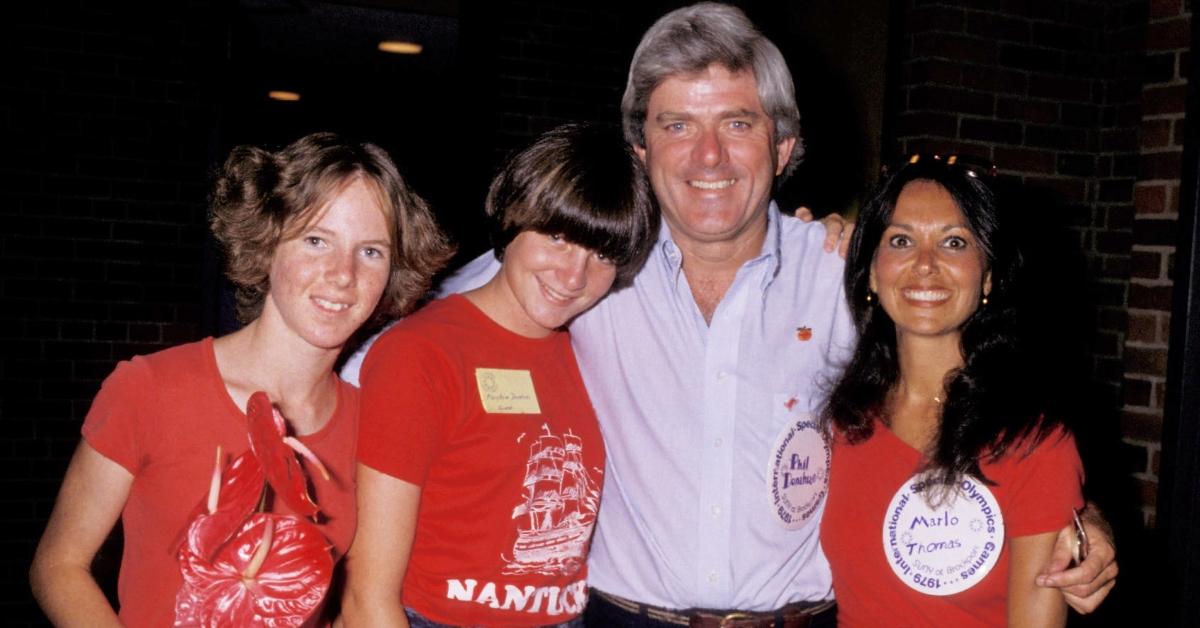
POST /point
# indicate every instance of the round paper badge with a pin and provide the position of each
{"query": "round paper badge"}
(798, 471)
(943, 550)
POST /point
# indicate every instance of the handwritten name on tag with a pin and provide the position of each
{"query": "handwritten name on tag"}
(506, 391)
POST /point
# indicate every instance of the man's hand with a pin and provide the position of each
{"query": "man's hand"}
(837, 230)
(1084, 587)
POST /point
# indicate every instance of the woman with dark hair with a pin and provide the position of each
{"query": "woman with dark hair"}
(320, 237)
(480, 460)
(948, 483)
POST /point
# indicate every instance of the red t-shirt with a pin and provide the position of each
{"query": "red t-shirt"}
(1035, 494)
(509, 492)
(161, 417)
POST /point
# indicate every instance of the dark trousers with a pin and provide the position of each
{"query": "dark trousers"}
(601, 613)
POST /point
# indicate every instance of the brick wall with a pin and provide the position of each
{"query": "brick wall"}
(550, 63)
(106, 119)
(1052, 93)
(1044, 90)
(536, 64)
(1081, 104)
(1156, 202)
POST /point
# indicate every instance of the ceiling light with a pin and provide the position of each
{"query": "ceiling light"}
(400, 47)
(283, 95)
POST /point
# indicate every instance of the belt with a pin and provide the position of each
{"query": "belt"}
(794, 615)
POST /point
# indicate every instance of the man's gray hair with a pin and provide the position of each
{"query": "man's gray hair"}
(688, 40)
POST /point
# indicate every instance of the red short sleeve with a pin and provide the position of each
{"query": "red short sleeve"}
(114, 426)
(408, 391)
(1045, 485)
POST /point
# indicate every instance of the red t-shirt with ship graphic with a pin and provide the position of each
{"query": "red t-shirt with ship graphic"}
(498, 432)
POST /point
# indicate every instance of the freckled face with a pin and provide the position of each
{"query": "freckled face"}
(711, 155)
(328, 278)
(548, 281)
(929, 272)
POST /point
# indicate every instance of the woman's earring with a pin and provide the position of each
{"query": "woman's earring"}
(869, 297)
(984, 301)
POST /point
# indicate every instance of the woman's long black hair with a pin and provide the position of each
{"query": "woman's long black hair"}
(994, 400)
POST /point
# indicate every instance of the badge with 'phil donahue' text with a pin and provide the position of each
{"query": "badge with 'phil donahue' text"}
(947, 549)
(507, 391)
(798, 469)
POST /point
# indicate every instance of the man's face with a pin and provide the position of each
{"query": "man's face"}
(711, 156)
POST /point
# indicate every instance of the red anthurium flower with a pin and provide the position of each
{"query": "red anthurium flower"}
(260, 569)
(272, 446)
(255, 569)
(229, 503)
(230, 500)
(274, 572)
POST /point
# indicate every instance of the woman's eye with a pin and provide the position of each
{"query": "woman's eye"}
(899, 241)
(556, 237)
(955, 242)
(314, 241)
(373, 252)
(603, 259)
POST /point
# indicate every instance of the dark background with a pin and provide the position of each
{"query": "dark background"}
(114, 115)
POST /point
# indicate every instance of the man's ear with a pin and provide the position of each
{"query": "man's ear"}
(783, 154)
(640, 151)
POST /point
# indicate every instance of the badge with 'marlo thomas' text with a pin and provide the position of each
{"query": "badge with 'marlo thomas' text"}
(947, 549)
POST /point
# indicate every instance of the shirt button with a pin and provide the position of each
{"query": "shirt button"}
(716, 510)
(718, 442)
(722, 375)
(712, 576)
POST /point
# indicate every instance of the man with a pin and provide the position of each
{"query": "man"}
(708, 371)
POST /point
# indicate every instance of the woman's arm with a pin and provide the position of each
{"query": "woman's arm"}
(1028, 604)
(378, 557)
(90, 502)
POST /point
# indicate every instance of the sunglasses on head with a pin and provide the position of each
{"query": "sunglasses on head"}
(971, 165)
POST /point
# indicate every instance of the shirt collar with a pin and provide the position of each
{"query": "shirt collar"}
(672, 257)
(772, 245)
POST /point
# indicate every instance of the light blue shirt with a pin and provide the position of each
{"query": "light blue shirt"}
(694, 414)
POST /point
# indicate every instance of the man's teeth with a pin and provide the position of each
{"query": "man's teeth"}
(927, 295)
(330, 305)
(712, 185)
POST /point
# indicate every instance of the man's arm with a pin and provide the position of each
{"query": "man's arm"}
(1084, 587)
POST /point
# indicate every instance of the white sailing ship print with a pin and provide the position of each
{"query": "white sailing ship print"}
(557, 508)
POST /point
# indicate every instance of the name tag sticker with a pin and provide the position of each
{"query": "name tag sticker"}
(507, 391)
(947, 549)
(798, 469)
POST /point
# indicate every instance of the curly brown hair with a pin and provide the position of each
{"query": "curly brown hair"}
(262, 198)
